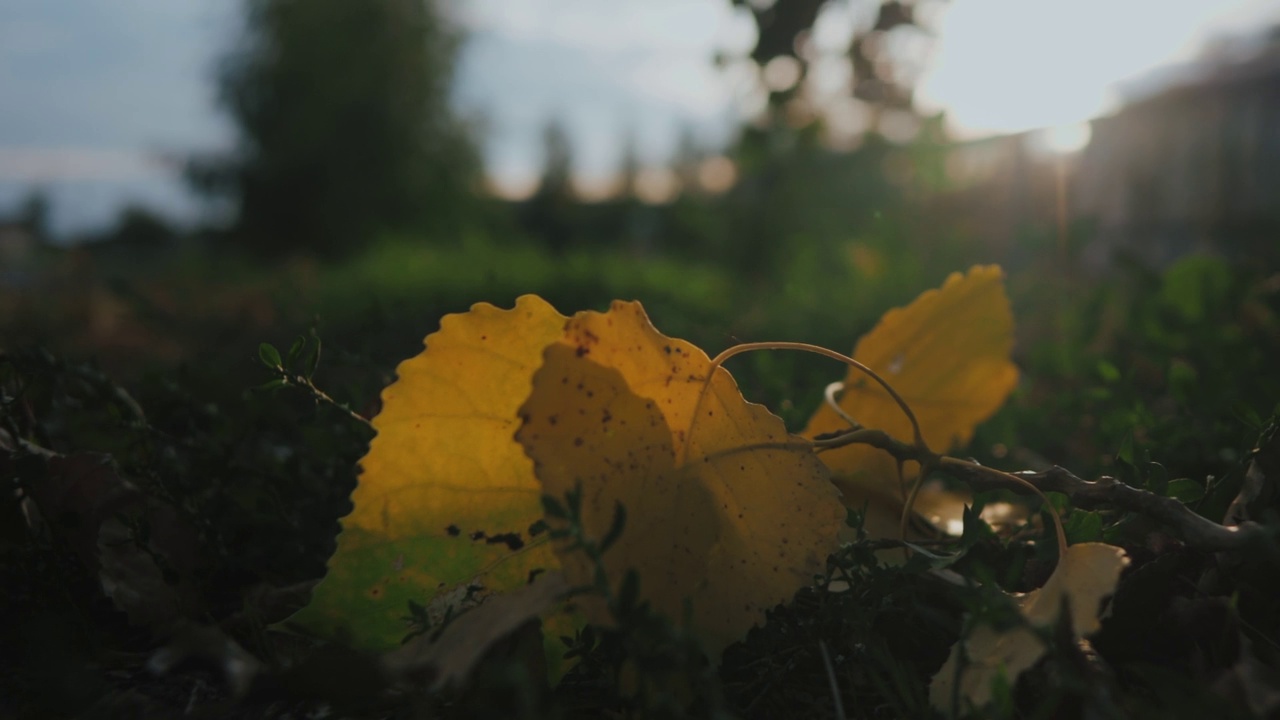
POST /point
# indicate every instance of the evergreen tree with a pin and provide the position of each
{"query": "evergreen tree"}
(346, 131)
(628, 168)
(550, 213)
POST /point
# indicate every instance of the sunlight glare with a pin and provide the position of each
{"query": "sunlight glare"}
(1007, 66)
(1065, 139)
(717, 174)
(782, 73)
(657, 185)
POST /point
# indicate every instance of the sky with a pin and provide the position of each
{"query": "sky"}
(101, 98)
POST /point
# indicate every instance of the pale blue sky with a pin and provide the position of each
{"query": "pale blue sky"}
(95, 94)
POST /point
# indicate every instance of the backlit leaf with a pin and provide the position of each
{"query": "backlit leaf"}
(723, 507)
(1086, 575)
(947, 354)
(446, 497)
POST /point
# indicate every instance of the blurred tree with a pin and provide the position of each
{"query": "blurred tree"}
(346, 130)
(549, 213)
(628, 167)
(33, 215)
(883, 75)
(817, 171)
(688, 160)
(142, 230)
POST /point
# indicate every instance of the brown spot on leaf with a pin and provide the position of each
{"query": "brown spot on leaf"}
(511, 540)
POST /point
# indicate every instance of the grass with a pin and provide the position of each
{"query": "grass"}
(1163, 379)
(404, 271)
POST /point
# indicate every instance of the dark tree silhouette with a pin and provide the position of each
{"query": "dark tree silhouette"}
(548, 214)
(345, 127)
(33, 214)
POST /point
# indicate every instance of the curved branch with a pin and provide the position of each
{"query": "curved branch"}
(718, 360)
(1195, 531)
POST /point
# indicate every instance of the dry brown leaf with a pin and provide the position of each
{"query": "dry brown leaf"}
(144, 552)
(1086, 574)
(450, 658)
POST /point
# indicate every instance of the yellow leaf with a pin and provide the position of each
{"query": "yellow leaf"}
(446, 496)
(725, 509)
(1086, 574)
(947, 355)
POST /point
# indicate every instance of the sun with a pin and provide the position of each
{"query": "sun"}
(1007, 66)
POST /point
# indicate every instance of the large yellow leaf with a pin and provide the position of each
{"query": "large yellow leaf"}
(1085, 576)
(724, 508)
(446, 496)
(947, 355)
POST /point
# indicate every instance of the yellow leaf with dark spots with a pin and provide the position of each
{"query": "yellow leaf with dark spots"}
(947, 355)
(446, 498)
(725, 510)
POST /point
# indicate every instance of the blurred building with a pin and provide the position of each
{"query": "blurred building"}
(1194, 167)
(1000, 189)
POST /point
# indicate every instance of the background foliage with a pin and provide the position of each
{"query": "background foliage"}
(128, 370)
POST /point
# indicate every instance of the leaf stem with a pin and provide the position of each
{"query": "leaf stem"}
(306, 384)
(718, 360)
(829, 397)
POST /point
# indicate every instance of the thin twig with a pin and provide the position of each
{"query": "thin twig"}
(305, 383)
(1197, 532)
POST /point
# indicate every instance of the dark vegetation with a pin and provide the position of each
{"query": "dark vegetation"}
(162, 511)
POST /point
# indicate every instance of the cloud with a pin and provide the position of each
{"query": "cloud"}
(614, 26)
(521, 84)
(72, 164)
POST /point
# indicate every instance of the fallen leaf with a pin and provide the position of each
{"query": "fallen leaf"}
(450, 658)
(1261, 486)
(724, 508)
(211, 648)
(446, 502)
(143, 551)
(1250, 682)
(947, 355)
(1086, 574)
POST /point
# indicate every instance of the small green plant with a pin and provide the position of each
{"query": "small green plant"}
(298, 368)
